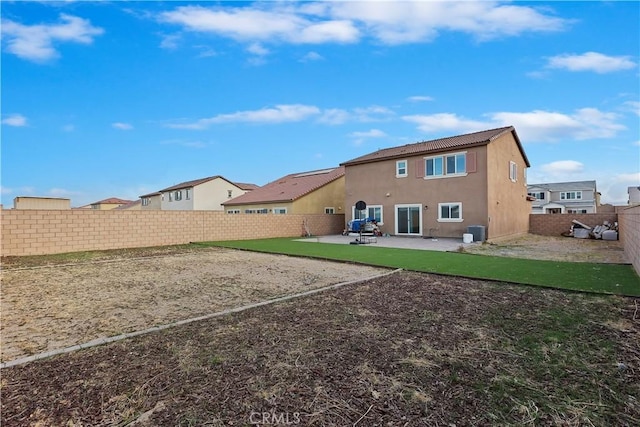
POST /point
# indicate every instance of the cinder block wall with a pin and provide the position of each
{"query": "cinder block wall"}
(40, 232)
(630, 234)
(556, 224)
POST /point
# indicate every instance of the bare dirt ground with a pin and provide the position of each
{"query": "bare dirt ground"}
(61, 303)
(406, 350)
(552, 248)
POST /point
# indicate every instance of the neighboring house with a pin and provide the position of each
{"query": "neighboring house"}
(107, 204)
(151, 201)
(135, 205)
(441, 187)
(46, 203)
(314, 192)
(200, 194)
(564, 197)
(634, 195)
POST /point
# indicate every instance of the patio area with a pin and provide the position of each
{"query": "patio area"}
(427, 244)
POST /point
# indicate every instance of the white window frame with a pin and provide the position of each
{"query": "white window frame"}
(279, 211)
(229, 194)
(146, 201)
(513, 171)
(366, 215)
(233, 211)
(329, 210)
(177, 196)
(395, 210)
(537, 195)
(400, 174)
(187, 194)
(170, 196)
(566, 195)
(450, 205)
(443, 165)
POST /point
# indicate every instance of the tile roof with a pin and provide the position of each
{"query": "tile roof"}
(289, 188)
(112, 201)
(129, 205)
(193, 183)
(439, 145)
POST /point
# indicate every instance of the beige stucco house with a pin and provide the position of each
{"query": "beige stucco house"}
(314, 192)
(106, 204)
(439, 188)
(53, 203)
(200, 194)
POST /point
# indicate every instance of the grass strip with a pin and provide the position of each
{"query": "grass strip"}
(585, 277)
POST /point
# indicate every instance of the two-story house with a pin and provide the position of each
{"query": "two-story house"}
(199, 194)
(312, 192)
(439, 188)
(564, 197)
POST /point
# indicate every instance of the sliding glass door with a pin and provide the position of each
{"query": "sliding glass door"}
(409, 219)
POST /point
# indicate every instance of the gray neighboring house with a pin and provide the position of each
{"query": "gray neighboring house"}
(564, 197)
(634, 195)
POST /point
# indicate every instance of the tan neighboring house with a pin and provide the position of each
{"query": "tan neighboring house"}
(46, 203)
(135, 205)
(441, 187)
(314, 192)
(199, 194)
(106, 204)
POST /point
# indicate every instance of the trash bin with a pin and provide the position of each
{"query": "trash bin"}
(478, 232)
(467, 238)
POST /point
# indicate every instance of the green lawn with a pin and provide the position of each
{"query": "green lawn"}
(586, 277)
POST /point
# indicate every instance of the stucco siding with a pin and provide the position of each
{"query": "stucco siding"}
(377, 184)
(507, 205)
(330, 195)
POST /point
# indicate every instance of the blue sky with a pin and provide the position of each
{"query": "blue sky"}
(119, 99)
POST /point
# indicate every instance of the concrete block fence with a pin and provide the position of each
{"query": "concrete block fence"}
(40, 232)
(556, 224)
(629, 220)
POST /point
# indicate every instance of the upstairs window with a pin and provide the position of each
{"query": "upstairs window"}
(187, 193)
(513, 171)
(448, 165)
(329, 210)
(571, 195)
(177, 195)
(401, 168)
(537, 195)
(146, 201)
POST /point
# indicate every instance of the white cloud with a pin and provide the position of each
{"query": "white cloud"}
(562, 167)
(547, 126)
(631, 106)
(277, 114)
(257, 49)
(170, 41)
(36, 42)
(373, 133)
(311, 56)
(419, 98)
(533, 126)
(121, 126)
(62, 192)
(186, 143)
(591, 61)
(445, 122)
(5, 190)
(334, 116)
(260, 22)
(16, 120)
(349, 22)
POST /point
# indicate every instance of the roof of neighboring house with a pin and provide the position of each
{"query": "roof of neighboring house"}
(112, 201)
(129, 205)
(155, 193)
(439, 145)
(245, 186)
(193, 183)
(565, 186)
(289, 188)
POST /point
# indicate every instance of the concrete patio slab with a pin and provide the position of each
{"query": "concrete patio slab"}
(427, 244)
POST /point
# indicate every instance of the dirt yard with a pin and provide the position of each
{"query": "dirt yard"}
(59, 305)
(553, 248)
